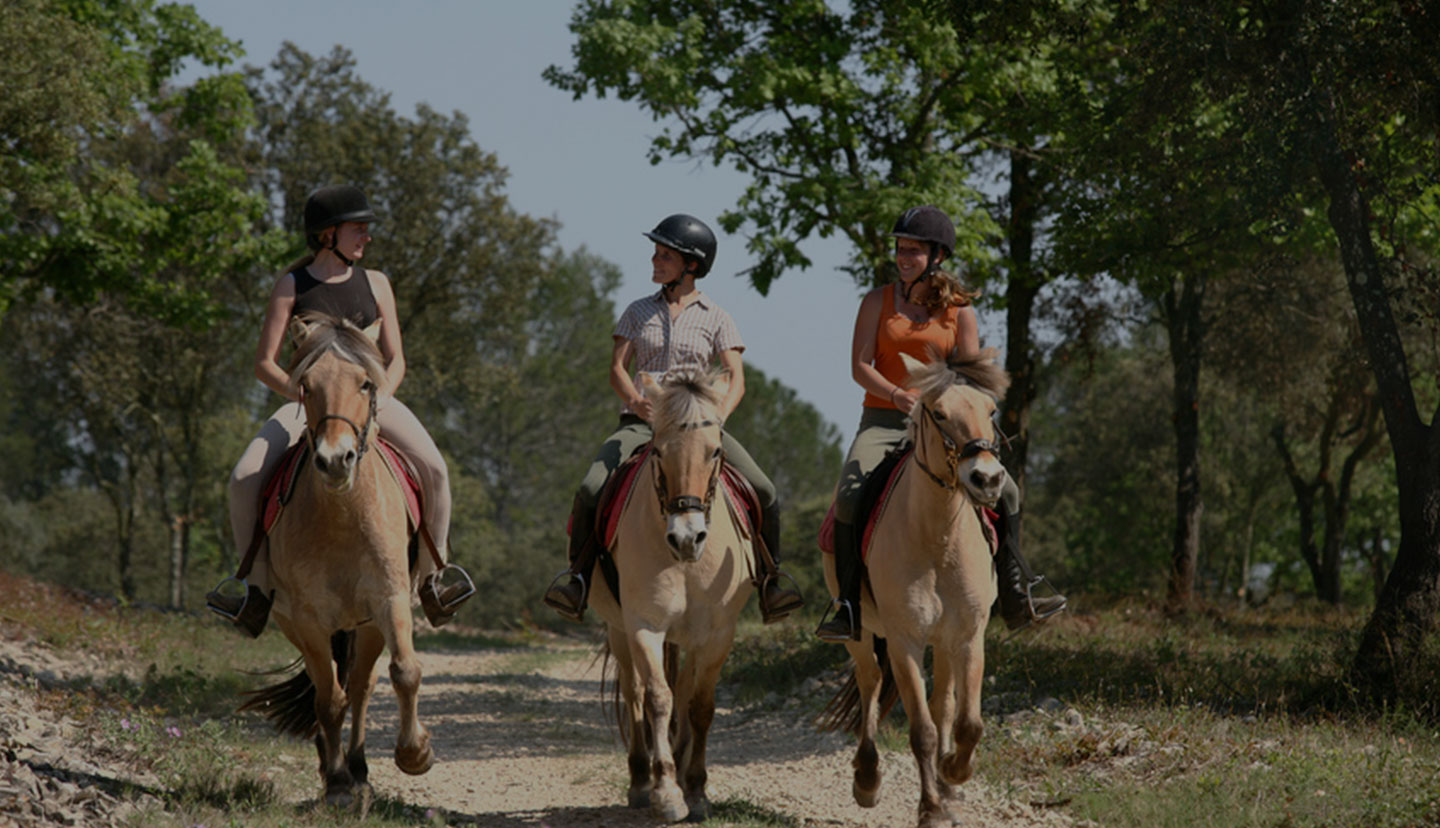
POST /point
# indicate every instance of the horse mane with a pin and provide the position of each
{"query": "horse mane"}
(687, 395)
(979, 370)
(343, 337)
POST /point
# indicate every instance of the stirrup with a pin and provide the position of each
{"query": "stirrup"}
(769, 615)
(253, 611)
(1030, 599)
(440, 602)
(839, 605)
(574, 613)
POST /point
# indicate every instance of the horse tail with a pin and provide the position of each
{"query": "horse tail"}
(843, 712)
(290, 705)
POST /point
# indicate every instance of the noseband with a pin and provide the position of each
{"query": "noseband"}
(687, 503)
(955, 454)
(361, 434)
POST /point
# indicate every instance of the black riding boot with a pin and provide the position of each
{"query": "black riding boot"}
(569, 591)
(776, 599)
(844, 624)
(1018, 606)
(250, 611)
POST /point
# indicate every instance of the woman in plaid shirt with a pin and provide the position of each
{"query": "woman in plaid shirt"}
(677, 327)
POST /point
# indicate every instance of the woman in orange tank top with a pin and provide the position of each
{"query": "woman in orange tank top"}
(925, 312)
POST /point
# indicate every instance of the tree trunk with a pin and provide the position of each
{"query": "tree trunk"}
(1020, 293)
(1304, 505)
(1409, 605)
(1183, 305)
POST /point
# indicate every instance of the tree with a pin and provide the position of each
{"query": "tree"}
(1335, 99)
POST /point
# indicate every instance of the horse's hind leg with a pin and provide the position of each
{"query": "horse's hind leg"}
(958, 765)
(866, 787)
(368, 645)
(412, 747)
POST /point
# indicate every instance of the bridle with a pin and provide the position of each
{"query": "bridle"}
(955, 454)
(361, 434)
(687, 503)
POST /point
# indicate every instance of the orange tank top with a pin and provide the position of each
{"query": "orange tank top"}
(898, 334)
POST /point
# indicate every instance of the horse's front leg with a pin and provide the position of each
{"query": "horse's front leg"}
(647, 647)
(958, 765)
(866, 787)
(632, 697)
(905, 661)
(412, 747)
(942, 712)
(329, 716)
(369, 643)
(699, 709)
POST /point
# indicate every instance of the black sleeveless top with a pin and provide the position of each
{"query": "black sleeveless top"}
(351, 299)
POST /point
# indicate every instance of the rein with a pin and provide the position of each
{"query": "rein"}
(687, 503)
(955, 454)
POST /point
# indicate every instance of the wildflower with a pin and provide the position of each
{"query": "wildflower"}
(175, 734)
(124, 724)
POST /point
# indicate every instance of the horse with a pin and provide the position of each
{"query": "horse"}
(684, 563)
(340, 565)
(931, 583)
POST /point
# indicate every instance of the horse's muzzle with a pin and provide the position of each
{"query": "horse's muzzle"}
(336, 467)
(685, 534)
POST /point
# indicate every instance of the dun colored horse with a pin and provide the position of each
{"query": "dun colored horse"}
(340, 565)
(931, 584)
(684, 566)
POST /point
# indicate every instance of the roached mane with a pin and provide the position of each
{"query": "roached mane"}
(980, 371)
(688, 395)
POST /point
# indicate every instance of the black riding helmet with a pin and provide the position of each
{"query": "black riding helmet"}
(927, 224)
(329, 206)
(690, 237)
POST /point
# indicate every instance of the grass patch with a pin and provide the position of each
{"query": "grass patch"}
(744, 814)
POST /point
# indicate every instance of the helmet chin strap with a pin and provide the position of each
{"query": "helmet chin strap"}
(341, 256)
(930, 264)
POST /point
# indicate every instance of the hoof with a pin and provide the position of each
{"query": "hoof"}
(639, 798)
(866, 788)
(955, 770)
(940, 817)
(667, 804)
(699, 808)
(416, 760)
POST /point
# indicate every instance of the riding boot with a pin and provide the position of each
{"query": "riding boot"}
(250, 611)
(844, 624)
(569, 592)
(440, 600)
(1018, 605)
(776, 599)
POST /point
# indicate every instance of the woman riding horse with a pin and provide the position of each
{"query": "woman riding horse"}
(926, 309)
(676, 328)
(329, 280)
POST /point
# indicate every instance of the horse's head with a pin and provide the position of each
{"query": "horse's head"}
(337, 371)
(954, 420)
(688, 455)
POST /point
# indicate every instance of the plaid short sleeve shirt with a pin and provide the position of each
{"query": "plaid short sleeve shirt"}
(695, 339)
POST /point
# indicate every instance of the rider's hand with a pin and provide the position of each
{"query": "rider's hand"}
(905, 400)
(643, 408)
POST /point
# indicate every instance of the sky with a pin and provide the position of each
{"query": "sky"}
(581, 162)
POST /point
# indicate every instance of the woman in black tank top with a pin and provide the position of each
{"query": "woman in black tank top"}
(328, 280)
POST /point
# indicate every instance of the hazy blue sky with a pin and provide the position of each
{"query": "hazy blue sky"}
(580, 162)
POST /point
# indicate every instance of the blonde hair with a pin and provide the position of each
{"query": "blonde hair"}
(944, 290)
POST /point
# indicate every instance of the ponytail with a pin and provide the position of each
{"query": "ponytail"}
(944, 289)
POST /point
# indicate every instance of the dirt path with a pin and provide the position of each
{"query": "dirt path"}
(521, 739)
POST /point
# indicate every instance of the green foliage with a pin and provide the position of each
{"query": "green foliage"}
(842, 119)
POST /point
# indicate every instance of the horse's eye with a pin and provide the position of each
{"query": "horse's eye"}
(939, 415)
(367, 387)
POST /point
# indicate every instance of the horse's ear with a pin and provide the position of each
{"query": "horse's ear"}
(912, 365)
(299, 330)
(373, 332)
(720, 384)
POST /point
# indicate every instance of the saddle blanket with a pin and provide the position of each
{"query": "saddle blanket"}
(873, 511)
(281, 485)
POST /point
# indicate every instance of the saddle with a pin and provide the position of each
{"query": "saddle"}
(875, 496)
(621, 485)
